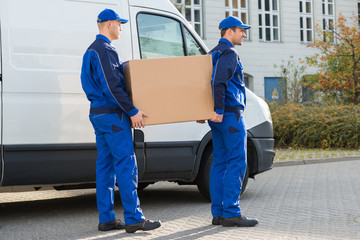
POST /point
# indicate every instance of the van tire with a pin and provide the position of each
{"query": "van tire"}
(203, 179)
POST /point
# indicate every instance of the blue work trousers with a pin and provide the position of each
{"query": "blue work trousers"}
(229, 165)
(116, 162)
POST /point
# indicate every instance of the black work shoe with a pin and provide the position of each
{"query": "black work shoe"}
(239, 221)
(217, 220)
(145, 225)
(116, 224)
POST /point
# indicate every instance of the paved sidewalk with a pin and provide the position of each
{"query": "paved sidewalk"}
(288, 157)
(310, 202)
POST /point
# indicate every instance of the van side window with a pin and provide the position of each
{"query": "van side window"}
(193, 48)
(159, 37)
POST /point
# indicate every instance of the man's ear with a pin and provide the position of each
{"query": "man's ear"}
(108, 24)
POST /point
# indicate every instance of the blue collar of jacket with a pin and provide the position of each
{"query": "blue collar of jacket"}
(100, 36)
(224, 40)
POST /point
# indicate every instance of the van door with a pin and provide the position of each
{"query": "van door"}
(169, 148)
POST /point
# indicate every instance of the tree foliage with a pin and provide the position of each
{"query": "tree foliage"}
(338, 61)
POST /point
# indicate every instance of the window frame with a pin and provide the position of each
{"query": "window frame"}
(182, 28)
(181, 6)
(229, 11)
(262, 12)
(304, 16)
(325, 13)
(327, 18)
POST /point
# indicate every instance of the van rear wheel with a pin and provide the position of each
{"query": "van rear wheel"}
(203, 179)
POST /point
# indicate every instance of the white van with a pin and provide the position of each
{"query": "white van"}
(46, 137)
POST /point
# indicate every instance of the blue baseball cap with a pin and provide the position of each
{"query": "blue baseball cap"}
(108, 15)
(231, 21)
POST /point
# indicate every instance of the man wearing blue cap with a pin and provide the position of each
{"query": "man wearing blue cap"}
(228, 127)
(110, 114)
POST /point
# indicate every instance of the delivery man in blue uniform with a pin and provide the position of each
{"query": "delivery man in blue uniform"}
(110, 114)
(228, 127)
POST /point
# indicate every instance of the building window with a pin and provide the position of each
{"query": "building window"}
(237, 8)
(306, 21)
(269, 20)
(328, 12)
(192, 11)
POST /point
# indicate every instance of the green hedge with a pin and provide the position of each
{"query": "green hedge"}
(316, 125)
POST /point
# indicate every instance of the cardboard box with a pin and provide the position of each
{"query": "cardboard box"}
(171, 90)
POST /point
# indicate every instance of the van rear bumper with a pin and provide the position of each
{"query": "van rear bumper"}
(265, 153)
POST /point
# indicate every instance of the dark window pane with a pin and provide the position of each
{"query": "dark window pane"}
(246, 82)
(235, 14)
(323, 8)
(267, 19)
(275, 6)
(309, 36)
(226, 3)
(197, 2)
(300, 6)
(268, 35)
(188, 14)
(259, 4)
(235, 4)
(301, 22)
(187, 2)
(243, 3)
(359, 12)
(276, 34)
(301, 35)
(275, 21)
(330, 9)
(308, 23)
(198, 28)
(227, 14)
(243, 18)
(267, 5)
(197, 15)
(308, 7)
(260, 20)
(260, 34)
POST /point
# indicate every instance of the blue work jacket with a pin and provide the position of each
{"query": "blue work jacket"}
(228, 85)
(102, 77)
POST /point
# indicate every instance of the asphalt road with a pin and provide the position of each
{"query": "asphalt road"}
(316, 201)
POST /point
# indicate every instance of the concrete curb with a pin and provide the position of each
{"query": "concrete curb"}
(314, 161)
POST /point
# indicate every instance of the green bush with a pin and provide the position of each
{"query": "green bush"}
(316, 125)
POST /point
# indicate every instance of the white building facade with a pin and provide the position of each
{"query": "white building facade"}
(280, 29)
